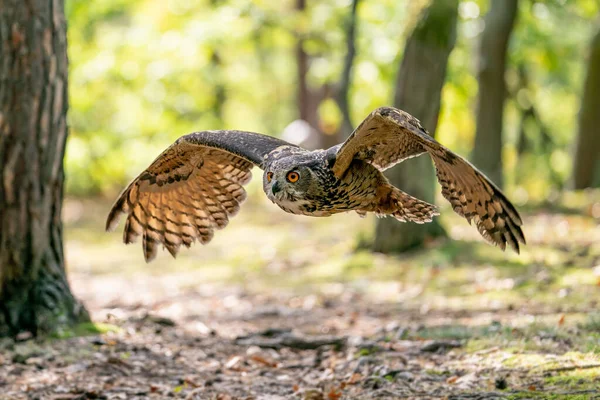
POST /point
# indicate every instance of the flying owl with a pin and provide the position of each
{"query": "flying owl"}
(197, 184)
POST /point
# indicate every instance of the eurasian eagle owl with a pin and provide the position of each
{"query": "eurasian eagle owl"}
(196, 185)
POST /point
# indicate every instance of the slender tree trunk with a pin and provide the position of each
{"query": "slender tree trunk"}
(34, 292)
(586, 159)
(346, 81)
(306, 104)
(487, 152)
(309, 98)
(418, 90)
(220, 91)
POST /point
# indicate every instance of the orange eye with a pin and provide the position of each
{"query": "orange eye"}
(269, 176)
(293, 177)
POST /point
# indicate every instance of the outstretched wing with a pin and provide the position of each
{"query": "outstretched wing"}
(388, 136)
(190, 190)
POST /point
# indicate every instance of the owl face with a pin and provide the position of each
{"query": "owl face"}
(287, 184)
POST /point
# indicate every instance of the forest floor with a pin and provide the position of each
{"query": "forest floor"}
(286, 307)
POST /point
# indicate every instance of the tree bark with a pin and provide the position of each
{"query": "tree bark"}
(34, 292)
(346, 80)
(487, 152)
(307, 106)
(418, 90)
(309, 98)
(586, 158)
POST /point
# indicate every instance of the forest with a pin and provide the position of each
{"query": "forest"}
(282, 306)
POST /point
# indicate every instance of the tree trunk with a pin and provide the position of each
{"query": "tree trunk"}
(487, 152)
(586, 160)
(309, 99)
(418, 89)
(346, 80)
(307, 106)
(34, 292)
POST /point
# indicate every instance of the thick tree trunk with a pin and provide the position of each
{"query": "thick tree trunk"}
(34, 292)
(487, 152)
(418, 90)
(586, 159)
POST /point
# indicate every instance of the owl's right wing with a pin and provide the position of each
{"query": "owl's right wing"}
(191, 189)
(388, 136)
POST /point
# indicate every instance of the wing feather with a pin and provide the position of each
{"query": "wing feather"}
(190, 190)
(388, 136)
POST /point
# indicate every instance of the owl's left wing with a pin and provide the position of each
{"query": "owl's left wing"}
(191, 189)
(388, 136)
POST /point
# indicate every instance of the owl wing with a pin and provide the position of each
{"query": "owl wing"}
(191, 189)
(388, 136)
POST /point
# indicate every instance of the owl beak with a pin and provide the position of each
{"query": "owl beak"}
(275, 187)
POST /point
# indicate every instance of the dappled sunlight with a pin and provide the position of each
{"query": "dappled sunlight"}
(287, 306)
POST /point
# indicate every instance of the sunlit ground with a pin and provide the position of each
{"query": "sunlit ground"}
(528, 319)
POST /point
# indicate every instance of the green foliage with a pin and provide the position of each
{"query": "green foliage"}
(144, 72)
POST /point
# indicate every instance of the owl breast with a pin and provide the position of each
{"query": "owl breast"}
(303, 207)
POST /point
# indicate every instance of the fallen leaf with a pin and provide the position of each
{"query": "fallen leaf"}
(313, 394)
(233, 361)
(191, 382)
(264, 361)
(355, 378)
(177, 389)
(334, 394)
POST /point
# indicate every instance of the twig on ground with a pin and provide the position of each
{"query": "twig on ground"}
(288, 339)
(440, 345)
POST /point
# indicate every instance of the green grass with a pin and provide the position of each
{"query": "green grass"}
(86, 329)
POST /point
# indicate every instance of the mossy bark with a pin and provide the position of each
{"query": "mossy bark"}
(418, 91)
(34, 291)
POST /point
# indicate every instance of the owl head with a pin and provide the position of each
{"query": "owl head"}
(290, 180)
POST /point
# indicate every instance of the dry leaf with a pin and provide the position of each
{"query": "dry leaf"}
(355, 378)
(191, 382)
(334, 394)
(263, 361)
(233, 361)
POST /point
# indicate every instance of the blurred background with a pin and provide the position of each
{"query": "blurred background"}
(144, 72)
(512, 85)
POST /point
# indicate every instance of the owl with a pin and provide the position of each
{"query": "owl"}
(197, 184)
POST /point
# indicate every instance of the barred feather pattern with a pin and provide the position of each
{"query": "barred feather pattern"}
(388, 136)
(381, 140)
(185, 195)
(409, 208)
(473, 196)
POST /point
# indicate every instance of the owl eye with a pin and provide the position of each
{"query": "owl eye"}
(293, 176)
(269, 176)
